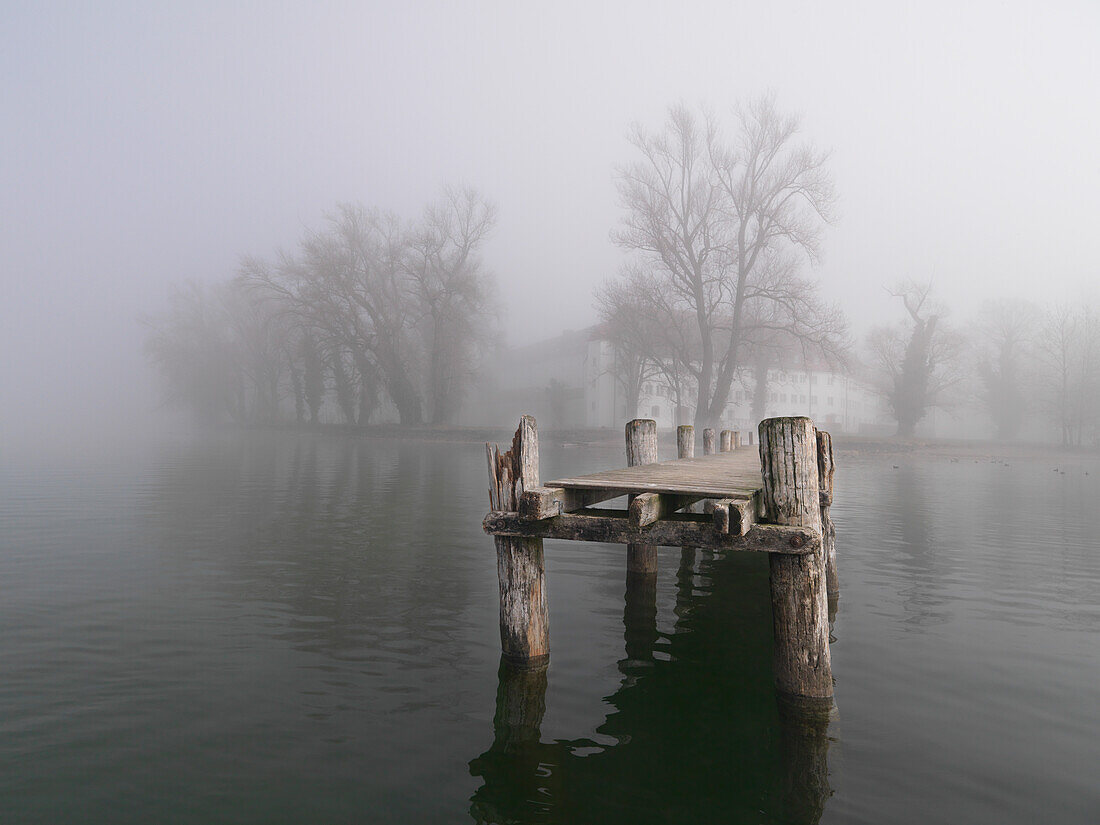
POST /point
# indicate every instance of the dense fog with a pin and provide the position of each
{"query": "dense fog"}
(448, 214)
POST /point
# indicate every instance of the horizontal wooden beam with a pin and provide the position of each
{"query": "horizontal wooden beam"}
(734, 516)
(677, 530)
(646, 508)
(547, 502)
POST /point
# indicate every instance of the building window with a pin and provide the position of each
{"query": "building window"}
(655, 412)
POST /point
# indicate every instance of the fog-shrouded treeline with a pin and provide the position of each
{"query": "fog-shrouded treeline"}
(377, 318)
(368, 310)
(1031, 369)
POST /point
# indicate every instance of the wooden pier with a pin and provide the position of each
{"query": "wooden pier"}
(774, 500)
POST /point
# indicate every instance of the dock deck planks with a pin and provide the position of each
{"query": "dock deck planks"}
(734, 475)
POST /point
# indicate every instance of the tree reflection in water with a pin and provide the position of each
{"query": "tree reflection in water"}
(700, 733)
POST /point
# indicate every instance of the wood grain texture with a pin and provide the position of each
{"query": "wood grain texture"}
(685, 441)
(826, 468)
(708, 442)
(679, 529)
(725, 475)
(524, 614)
(788, 461)
(641, 451)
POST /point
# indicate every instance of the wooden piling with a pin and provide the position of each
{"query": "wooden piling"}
(791, 494)
(825, 469)
(708, 441)
(524, 616)
(641, 448)
(685, 448)
(685, 441)
(727, 440)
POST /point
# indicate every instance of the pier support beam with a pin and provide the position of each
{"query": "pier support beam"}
(788, 464)
(641, 448)
(524, 616)
(825, 470)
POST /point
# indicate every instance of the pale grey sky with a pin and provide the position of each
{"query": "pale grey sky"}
(147, 143)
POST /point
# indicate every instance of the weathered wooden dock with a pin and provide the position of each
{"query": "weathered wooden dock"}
(773, 500)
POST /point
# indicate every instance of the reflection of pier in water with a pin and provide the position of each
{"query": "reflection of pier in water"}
(699, 732)
(702, 734)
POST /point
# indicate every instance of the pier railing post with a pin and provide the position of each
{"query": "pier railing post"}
(641, 448)
(524, 616)
(825, 469)
(788, 464)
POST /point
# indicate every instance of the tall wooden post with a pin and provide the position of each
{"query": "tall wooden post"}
(708, 441)
(641, 448)
(685, 441)
(524, 616)
(685, 448)
(727, 440)
(735, 439)
(788, 464)
(825, 469)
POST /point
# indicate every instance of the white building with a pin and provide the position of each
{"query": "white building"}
(569, 382)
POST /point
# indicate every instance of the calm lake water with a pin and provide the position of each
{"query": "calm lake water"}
(267, 627)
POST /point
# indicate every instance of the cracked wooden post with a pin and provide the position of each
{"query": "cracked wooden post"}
(641, 448)
(708, 441)
(788, 465)
(524, 617)
(727, 440)
(825, 469)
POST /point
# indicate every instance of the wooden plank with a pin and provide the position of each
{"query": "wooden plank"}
(679, 529)
(726, 475)
(734, 516)
(647, 508)
(546, 502)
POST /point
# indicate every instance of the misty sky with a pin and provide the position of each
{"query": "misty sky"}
(144, 144)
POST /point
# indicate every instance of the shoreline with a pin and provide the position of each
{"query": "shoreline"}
(851, 445)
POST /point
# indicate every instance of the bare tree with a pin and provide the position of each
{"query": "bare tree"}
(916, 361)
(1068, 375)
(722, 226)
(1006, 331)
(443, 262)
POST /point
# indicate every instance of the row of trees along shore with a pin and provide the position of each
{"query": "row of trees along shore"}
(369, 307)
(1028, 367)
(720, 218)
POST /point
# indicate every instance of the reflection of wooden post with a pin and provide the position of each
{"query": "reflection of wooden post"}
(708, 441)
(825, 469)
(524, 617)
(788, 464)
(641, 448)
(727, 440)
(804, 749)
(521, 704)
(685, 448)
